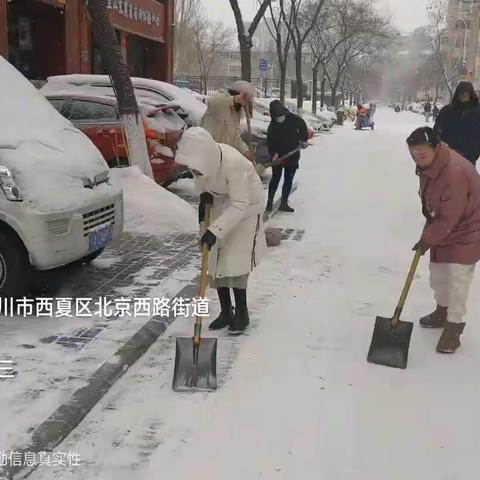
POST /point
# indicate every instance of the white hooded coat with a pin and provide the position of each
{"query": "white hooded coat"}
(238, 202)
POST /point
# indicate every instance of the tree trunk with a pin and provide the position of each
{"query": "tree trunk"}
(120, 77)
(245, 56)
(333, 102)
(283, 77)
(322, 92)
(314, 90)
(351, 98)
(298, 69)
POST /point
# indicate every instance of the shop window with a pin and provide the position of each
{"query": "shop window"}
(83, 110)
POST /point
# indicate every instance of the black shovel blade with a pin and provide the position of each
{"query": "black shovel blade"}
(195, 367)
(389, 346)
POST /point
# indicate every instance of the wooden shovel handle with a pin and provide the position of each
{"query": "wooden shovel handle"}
(406, 288)
(204, 265)
(203, 277)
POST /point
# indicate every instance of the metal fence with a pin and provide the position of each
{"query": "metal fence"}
(207, 86)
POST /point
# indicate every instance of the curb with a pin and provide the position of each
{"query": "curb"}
(68, 416)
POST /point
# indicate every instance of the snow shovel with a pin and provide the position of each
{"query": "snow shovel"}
(260, 167)
(196, 358)
(391, 336)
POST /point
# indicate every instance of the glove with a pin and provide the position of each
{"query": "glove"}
(206, 197)
(422, 247)
(209, 239)
(276, 160)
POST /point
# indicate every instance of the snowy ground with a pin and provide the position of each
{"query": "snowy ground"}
(297, 399)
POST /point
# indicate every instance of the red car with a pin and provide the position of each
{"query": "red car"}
(98, 118)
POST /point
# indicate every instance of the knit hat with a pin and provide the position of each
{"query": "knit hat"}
(277, 109)
(241, 86)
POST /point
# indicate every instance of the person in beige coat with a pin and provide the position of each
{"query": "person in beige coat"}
(224, 114)
(236, 237)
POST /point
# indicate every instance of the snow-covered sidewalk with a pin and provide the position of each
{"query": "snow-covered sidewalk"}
(297, 399)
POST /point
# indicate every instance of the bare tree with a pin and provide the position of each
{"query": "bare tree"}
(283, 40)
(117, 68)
(437, 31)
(245, 36)
(210, 40)
(365, 33)
(187, 13)
(304, 15)
(323, 43)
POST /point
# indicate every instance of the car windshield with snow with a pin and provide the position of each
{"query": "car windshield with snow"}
(192, 109)
(57, 205)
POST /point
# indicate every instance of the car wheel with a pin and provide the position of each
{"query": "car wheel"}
(15, 270)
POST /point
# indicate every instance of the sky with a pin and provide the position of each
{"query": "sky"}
(406, 14)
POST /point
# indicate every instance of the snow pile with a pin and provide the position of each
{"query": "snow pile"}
(150, 208)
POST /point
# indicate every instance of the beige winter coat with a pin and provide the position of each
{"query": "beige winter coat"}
(237, 215)
(222, 121)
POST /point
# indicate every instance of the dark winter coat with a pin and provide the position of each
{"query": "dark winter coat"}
(450, 193)
(460, 129)
(427, 108)
(284, 137)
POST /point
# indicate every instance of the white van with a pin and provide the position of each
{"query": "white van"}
(57, 205)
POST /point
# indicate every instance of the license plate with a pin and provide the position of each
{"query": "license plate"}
(100, 238)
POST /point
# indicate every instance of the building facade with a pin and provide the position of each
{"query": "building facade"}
(463, 25)
(52, 37)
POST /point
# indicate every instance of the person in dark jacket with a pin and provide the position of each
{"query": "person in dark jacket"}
(458, 124)
(435, 112)
(286, 133)
(427, 111)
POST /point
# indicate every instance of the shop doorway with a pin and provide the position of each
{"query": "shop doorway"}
(36, 38)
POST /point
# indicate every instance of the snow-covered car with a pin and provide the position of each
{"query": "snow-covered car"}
(97, 116)
(57, 205)
(156, 90)
(327, 117)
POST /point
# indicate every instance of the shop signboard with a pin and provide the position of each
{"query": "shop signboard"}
(145, 18)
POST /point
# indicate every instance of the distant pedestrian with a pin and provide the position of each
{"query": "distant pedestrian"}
(435, 111)
(236, 237)
(458, 124)
(224, 113)
(450, 194)
(427, 110)
(286, 133)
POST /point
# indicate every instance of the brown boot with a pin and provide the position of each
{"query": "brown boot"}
(436, 319)
(450, 339)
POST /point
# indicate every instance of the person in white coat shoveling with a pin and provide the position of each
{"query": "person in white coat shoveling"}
(236, 237)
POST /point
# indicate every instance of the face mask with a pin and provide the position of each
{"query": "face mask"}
(280, 119)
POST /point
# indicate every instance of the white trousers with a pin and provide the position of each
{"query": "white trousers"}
(451, 283)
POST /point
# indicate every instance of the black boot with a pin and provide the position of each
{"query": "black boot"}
(225, 319)
(285, 207)
(269, 206)
(240, 322)
(226, 316)
(241, 319)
